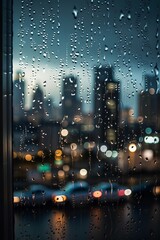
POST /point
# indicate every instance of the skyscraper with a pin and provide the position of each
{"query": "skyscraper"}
(150, 83)
(149, 103)
(106, 107)
(38, 104)
(70, 102)
(18, 98)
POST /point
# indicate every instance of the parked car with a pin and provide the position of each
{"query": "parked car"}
(73, 193)
(107, 191)
(33, 195)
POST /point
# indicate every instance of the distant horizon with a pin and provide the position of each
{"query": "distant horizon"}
(86, 97)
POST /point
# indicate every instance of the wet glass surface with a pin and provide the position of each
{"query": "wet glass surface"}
(86, 120)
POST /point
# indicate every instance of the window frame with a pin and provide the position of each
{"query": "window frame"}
(6, 170)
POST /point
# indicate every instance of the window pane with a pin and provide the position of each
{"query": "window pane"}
(86, 121)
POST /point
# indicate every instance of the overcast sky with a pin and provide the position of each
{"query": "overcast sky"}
(53, 38)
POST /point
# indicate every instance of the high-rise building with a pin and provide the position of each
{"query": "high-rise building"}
(18, 98)
(52, 112)
(149, 103)
(149, 109)
(150, 83)
(106, 107)
(38, 104)
(71, 105)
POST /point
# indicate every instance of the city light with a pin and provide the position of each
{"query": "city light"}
(60, 198)
(58, 152)
(148, 130)
(89, 145)
(150, 139)
(83, 172)
(44, 167)
(64, 132)
(40, 153)
(147, 154)
(156, 190)
(15, 155)
(103, 148)
(73, 146)
(28, 157)
(58, 157)
(114, 153)
(61, 174)
(66, 168)
(109, 153)
(132, 147)
(127, 192)
(97, 194)
(16, 199)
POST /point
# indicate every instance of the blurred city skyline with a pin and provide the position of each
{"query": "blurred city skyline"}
(128, 99)
(73, 37)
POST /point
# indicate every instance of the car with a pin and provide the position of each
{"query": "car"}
(33, 195)
(108, 191)
(75, 193)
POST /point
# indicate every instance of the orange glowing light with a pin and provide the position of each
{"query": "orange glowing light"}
(58, 152)
(16, 199)
(97, 194)
(28, 157)
(40, 153)
(60, 199)
(156, 190)
(58, 158)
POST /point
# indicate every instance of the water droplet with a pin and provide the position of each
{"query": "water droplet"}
(157, 45)
(129, 15)
(121, 15)
(75, 12)
(106, 48)
(156, 70)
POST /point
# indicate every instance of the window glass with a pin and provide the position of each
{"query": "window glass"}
(86, 119)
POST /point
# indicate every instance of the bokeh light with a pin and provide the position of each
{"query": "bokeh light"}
(28, 157)
(83, 172)
(132, 147)
(103, 148)
(64, 132)
(147, 154)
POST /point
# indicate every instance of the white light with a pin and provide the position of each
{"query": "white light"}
(147, 154)
(103, 148)
(109, 153)
(83, 172)
(127, 192)
(114, 154)
(64, 132)
(156, 140)
(132, 147)
(150, 139)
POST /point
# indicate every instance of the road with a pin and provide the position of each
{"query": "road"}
(138, 219)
